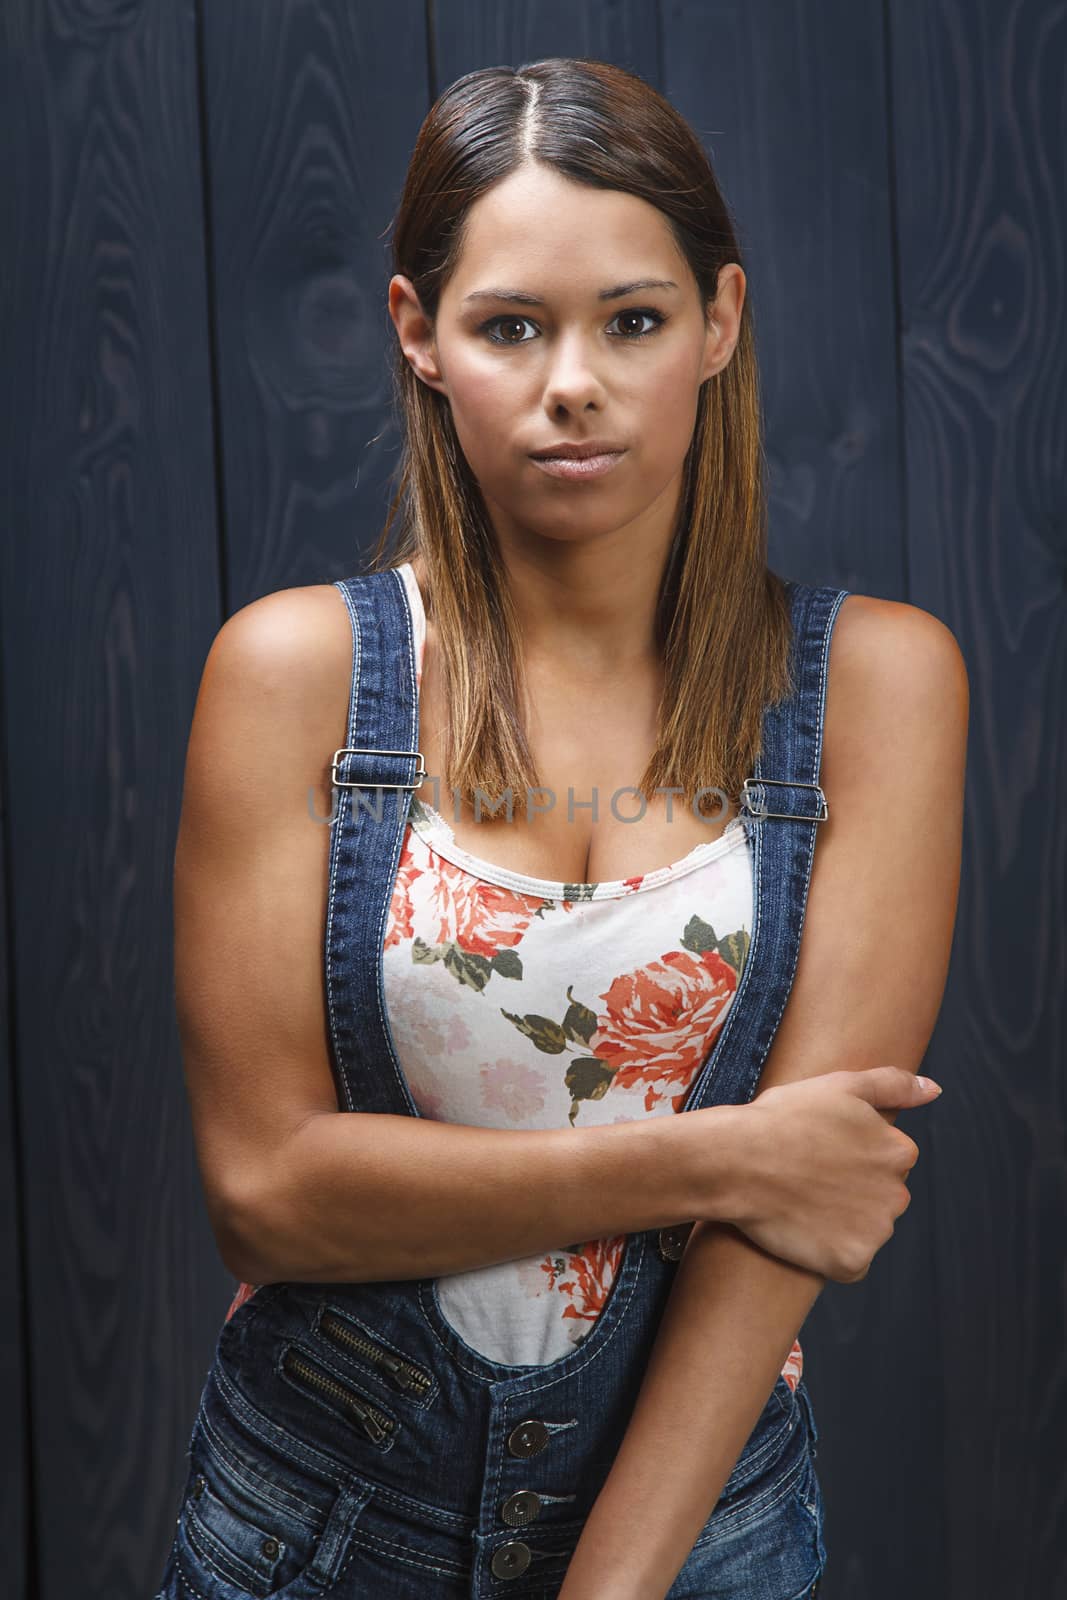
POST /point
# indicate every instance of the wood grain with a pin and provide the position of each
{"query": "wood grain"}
(110, 597)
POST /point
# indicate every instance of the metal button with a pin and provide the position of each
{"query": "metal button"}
(270, 1548)
(528, 1438)
(520, 1508)
(672, 1241)
(198, 1488)
(510, 1560)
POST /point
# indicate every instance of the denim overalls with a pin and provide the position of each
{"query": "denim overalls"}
(348, 1442)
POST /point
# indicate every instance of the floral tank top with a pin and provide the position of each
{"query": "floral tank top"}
(518, 1002)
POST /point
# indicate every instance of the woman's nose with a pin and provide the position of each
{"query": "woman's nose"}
(572, 378)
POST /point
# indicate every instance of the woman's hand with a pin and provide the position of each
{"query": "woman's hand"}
(821, 1170)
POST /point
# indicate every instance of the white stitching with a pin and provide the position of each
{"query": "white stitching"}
(734, 1518)
(408, 656)
(233, 1462)
(238, 1403)
(335, 841)
(377, 1544)
(813, 773)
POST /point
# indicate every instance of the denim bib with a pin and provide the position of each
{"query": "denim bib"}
(348, 1441)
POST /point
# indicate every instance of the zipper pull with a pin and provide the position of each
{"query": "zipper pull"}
(371, 1426)
(406, 1375)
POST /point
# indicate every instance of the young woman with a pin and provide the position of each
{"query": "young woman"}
(533, 1132)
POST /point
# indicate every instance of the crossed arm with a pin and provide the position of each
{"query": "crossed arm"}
(870, 977)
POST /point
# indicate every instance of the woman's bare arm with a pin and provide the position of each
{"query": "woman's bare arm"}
(295, 1188)
(869, 982)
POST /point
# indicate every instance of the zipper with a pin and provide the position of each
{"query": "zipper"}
(405, 1374)
(375, 1424)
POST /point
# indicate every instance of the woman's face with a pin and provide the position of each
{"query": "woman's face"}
(535, 346)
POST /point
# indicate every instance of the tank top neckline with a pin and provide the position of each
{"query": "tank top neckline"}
(436, 833)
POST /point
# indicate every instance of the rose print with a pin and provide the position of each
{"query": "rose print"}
(584, 1273)
(794, 1365)
(480, 916)
(430, 1032)
(470, 925)
(513, 1087)
(660, 1021)
(401, 910)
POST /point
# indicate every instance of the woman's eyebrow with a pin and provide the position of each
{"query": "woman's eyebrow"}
(618, 290)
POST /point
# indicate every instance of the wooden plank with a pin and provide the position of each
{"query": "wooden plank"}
(109, 589)
(17, 1463)
(312, 111)
(470, 36)
(788, 101)
(981, 169)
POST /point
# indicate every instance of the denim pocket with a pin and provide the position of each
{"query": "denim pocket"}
(254, 1524)
(761, 1542)
(768, 1442)
(807, 1498)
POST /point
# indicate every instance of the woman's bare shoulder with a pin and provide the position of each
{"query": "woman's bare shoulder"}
(273, 699)
(896, 672)
(290, 642)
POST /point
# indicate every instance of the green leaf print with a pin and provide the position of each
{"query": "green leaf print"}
(699, 936)
(507, 963)
(734, 948)
(472, 971)
(542, 1031)
(579, 1023)
(587, 1078)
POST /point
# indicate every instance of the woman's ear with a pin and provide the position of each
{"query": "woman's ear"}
(415, 331)
(723, 319)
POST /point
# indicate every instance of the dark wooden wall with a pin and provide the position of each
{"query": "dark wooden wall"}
(194, 412)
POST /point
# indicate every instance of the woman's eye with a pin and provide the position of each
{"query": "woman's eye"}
(513, 322)
(630, 337)
(643, 333)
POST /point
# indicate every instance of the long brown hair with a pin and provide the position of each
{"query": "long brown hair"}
(722, 619)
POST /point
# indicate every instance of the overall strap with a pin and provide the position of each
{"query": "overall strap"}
(783, 805)
(374, 775)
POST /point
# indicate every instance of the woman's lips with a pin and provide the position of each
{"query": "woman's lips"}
(578, 467)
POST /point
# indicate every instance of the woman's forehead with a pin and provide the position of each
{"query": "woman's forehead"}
(537, 240)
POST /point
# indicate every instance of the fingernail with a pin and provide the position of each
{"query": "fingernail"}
(926, 1084)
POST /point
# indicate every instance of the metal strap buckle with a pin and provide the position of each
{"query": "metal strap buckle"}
(783, 783)
(358, 750)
